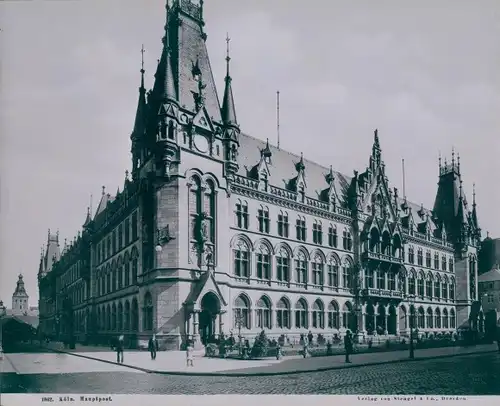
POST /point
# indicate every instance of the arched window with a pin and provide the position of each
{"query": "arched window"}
(452, 289)
(436, 260)
(263, 219)
(210, 208)
(114, 281)
(444, 287)
(318, 315)
(241, 260)
(411, 255)
(443, 263)
(263, 313)
(333, 271)
(134, 270)
(420, 257)
(428, 259)
(283, 313)
(283, 225)
(119, 266)
(317, 232)
(242, 214)
(397, 248)
(437, 318)
(147, 322)
(437, 286)
(420, 318)
(119, 317)
(263, 259)
(420, 284)
(428, 285)
(317, 270)
(332, 236)
(450, 264)
(333, 315)
(283, 265)
(242, 312)
(429, 318)
(346, 273)
(452, 318)
(411, 283)
(135, 316)
(99, 320)
(347, 240)
(301, 268)
(126, 316)
(374, 240)
(126, 261)
(445, 318)
(386, 243)
(301, 314)
(347, 316)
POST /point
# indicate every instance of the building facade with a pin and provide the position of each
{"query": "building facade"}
(489, 292)
(217, 231)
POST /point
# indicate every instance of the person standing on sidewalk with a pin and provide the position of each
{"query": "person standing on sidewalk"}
(348, 346)
(119, 349)
(498, 338)
(189, 354)
(153, 346)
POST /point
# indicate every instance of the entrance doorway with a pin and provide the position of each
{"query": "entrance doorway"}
(210, 308)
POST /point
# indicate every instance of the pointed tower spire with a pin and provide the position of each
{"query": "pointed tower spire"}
(164, 87)
(474, 210)
(87, 219)
(228, 109)
(140, 115)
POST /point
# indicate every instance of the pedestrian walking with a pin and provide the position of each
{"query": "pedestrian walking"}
(153, 346)
(189, 355)
(498, 338)
(310, 338)
(119, 349)
(348, 346)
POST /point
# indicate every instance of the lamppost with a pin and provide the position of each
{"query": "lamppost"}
(239, 323)
(411, 302)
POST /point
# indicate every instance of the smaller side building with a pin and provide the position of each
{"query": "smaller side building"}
(489, 291)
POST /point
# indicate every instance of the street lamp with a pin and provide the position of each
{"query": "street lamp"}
(411, 302)
(163, 236)
(239, 323)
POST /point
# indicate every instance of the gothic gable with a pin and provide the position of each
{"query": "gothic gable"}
(202, 121)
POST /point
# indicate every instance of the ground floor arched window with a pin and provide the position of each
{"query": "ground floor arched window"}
(283, 313)
(420, 318)
(333, 315)
(318, 315)
(301, 314)
(135, 316)
(147, 321)
(263, 313)
(242, 312)
(452, 319)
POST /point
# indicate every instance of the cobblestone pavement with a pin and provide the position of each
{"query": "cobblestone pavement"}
(477, 374)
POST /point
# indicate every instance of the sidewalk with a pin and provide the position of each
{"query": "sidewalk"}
(174, 362)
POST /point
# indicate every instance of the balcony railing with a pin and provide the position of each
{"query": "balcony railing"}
(383, 293)
(377, 256)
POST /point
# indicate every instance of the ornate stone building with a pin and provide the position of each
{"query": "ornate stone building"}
(218, 231)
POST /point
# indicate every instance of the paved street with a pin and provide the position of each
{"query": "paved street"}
(477, 374)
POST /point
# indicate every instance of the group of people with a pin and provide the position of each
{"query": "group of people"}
(153, 348)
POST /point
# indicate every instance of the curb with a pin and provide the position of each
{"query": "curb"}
(293, 372)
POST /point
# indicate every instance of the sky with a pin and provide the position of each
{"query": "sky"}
(425, 73)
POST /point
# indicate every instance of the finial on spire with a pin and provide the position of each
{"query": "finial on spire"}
(228, 58)
(452, 157)
(473, 194)
(439, 160)
(126, 174)
(458, 163)
(103, 190)
(142, 58)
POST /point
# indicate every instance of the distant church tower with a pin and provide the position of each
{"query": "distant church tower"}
(20, 298)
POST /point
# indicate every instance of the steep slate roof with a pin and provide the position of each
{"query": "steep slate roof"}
(490, 276)
(282, 168)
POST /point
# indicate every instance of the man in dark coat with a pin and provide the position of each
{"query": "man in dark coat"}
(153, 346)
(119, 349)
(498, 338)
(348, 346)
